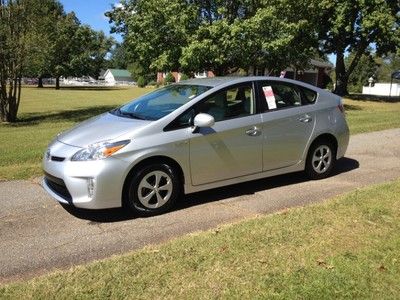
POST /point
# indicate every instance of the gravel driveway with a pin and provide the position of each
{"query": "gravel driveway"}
(38, 235)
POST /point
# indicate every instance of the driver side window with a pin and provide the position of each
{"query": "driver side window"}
(224, 105)
(230, 103)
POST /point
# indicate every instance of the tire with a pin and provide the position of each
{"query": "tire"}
(321, 160)
(152, 190)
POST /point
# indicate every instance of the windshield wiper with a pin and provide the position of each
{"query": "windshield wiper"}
(129, 114)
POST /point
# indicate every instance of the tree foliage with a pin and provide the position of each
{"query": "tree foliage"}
(387, 65)
(217, 35)
(16, 48)
(169, 78)
(365, 69)
(119, 57)
(38, 38)
(352, 26)
(224, 35)
(141, 82)
(77, 49)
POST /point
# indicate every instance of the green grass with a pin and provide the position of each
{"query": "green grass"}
(46, 112)
(367, 116)
(346, 248)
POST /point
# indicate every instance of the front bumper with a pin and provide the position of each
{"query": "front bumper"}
(84, 184)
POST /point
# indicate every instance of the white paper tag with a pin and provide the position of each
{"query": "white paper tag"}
(269, 97)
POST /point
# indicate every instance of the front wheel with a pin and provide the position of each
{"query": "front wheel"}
(320, 160)
(152, 190)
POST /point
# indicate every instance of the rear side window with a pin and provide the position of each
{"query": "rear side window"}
(277, 95)
(309, 96)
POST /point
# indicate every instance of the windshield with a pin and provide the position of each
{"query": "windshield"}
(161, 102)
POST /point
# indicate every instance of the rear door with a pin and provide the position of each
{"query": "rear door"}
(288, 121)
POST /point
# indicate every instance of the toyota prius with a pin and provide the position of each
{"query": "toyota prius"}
(195, 135)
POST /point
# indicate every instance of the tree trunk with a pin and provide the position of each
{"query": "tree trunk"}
(3, 101)
(57, 82)
(342, 77)
(40, 82)
(10, 100)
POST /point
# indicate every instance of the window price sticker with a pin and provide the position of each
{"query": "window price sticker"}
(269, 97)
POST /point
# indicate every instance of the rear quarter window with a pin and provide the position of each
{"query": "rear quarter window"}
(309, 96)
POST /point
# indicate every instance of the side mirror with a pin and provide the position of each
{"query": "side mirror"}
(203, 120)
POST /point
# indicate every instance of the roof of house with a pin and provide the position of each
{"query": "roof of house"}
(321, 64)
(119, 73)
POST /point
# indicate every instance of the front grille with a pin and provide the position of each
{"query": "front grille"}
(57, 158)
(58, 186)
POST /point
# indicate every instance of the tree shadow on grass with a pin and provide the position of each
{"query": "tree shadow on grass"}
(81, 88)
(375, 98)
(75, 115)
(344, 165)
(352, 107)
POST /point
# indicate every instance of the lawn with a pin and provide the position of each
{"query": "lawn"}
(345, 248)
(46, 112)
(367, 116)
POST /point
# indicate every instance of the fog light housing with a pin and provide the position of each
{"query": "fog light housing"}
(90, 186)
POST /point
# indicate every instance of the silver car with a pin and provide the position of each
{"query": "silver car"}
(192, 136)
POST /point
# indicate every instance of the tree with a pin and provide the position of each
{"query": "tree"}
(141, 82)
(217, 35)
(119, 57)
(44, 34)
(387, 65)
(78, 50)
(353, 26)
(38, 38)
(154, 31)
(17, 24)
(366, 68)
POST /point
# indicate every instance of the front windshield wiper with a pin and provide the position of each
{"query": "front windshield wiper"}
(129, 114)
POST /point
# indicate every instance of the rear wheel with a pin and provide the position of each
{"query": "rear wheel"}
(321, 159)
(152, 190)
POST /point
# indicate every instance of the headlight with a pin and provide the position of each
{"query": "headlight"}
(99, 150)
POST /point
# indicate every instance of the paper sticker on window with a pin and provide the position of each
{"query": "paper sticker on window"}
(269, 97)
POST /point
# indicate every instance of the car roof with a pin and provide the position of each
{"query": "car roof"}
(216, 81)
(210, 81)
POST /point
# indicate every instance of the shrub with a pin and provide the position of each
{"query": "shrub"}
(141, 82)
(169, 78)
(184, 77)
(152, 83)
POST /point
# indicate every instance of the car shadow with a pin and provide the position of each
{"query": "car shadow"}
(344, 165)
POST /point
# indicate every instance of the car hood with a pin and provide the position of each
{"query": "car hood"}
(101, 128)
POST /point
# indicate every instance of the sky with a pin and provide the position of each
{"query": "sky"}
(91, 12)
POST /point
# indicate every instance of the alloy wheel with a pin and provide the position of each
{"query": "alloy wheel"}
(155, 189)
(322, 159)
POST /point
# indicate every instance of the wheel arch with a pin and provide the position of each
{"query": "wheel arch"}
(324, 137)
(151, 160)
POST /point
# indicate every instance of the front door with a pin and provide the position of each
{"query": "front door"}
(233, 146)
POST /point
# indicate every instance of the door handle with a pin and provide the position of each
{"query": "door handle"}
(255, 131)
(305, 119)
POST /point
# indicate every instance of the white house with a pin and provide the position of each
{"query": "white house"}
(118, 77)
